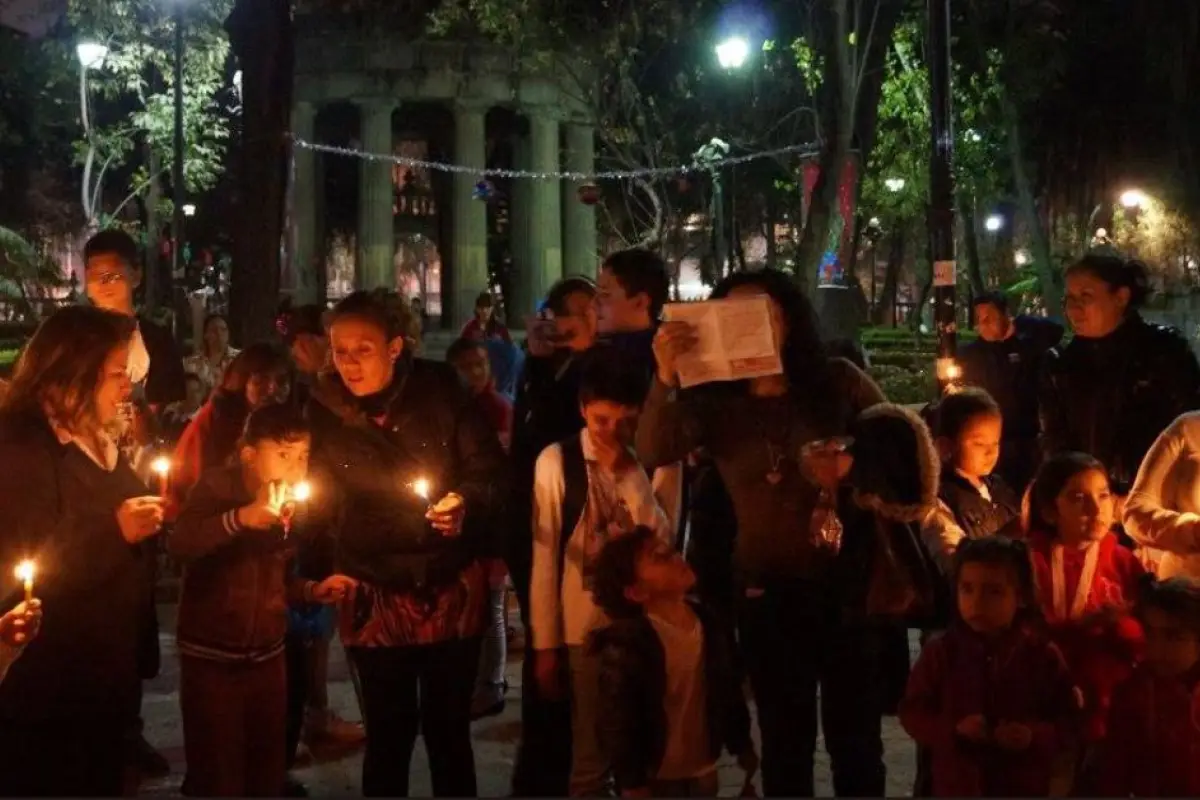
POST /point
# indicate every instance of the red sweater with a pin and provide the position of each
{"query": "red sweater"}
(1153, 745)
(498, 411)
(1017, 677)
(494, 330)
(1103, 644)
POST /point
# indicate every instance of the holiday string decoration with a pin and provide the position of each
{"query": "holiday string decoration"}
(695, 167)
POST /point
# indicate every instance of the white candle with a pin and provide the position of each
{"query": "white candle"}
(161, 466)
(25, 572)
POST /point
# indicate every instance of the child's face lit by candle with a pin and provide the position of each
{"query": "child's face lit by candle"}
(286, 461)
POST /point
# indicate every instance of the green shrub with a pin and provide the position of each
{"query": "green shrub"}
(907, 386)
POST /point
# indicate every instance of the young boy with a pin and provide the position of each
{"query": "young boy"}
(232, 538)
(470, 358)
(587, 489)
(670, 699)
(972, 502)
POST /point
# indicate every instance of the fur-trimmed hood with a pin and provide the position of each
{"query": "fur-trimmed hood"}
(896, 466)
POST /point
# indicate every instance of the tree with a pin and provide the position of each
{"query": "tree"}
(37, 131)
(260, 32)
(130, 138)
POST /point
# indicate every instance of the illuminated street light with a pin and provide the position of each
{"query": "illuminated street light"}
(90, 54)
(894, 184)
(1134, 198)
(733, 52)
(1021, 258)
(189, 210)
(994, 223)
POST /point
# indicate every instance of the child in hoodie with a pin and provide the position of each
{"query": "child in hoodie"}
(232, 538)
(1154, 719)
(991, 697)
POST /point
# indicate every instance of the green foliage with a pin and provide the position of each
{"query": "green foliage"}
(902, 138)
(25, 273)
(137, 74)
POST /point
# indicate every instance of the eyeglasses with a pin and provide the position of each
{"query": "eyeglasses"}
(106, 278)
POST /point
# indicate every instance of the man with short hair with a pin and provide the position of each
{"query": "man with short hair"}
(1006, 361)
(111, 274)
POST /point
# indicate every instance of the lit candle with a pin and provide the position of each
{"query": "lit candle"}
(421, 488)
(161, 467)
(24, 572)
(301, 492)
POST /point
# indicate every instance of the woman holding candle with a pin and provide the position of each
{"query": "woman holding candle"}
(75, 507)
(412, 625)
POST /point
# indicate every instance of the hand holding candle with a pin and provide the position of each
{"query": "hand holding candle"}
(19, 626)
(297, 493)
(446, 515)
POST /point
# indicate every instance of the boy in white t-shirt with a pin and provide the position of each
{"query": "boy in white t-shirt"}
(587, 489)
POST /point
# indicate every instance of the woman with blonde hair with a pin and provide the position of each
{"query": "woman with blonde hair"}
(73, 506)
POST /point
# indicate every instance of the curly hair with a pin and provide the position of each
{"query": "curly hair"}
(383, 308)
(615, 571)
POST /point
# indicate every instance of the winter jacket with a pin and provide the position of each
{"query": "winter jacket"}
(237, 582)
(1111, 397)
(366, 454)
(1017, 677)
(977, 516)
(633, 720)
(166, 381)
(1153, 744)
(60, 510)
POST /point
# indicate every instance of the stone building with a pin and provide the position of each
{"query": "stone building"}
(464, 104)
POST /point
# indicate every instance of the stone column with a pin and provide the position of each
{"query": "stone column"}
(469, 260)
(376, 226)
(545, 216)
(579, 220)
(304, 208)
(523, 301)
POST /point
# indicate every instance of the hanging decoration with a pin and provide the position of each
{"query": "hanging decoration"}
(589, 194)
(484, 190)
(643, 173)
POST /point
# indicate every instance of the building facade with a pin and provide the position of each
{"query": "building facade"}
(346, 58)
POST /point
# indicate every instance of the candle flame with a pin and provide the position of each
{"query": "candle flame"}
(953, 372)
(161, 465)
(421, 487)
(302, 491)
(25, 571)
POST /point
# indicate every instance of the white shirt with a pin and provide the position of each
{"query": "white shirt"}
(561, 608)
(139, 358)
(685, 701)
(1162, 512)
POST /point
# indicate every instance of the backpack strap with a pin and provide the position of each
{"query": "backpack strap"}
(575, 493)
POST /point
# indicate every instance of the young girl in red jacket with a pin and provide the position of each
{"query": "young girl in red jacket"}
(1153, 743)
(991, 697)
(1087, 582)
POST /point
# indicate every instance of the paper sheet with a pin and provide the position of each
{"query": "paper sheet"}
(735, 340)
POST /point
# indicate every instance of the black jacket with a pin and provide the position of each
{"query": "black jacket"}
(364, 468)
(1112, 397)
(977, 516)
(1010, 370)
(59, 509)
(633, 677)
(165, 381)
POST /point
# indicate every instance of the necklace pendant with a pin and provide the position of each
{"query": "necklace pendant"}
(774, 477)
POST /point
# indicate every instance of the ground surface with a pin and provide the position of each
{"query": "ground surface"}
(337, 774)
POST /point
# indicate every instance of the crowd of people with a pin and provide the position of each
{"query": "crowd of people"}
(667, 547)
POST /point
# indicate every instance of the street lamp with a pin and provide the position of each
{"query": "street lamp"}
(1021, 258)
(994, 223)
(1134, 198)
(894, 184)
(90, 54)
(189, 210)
(733, 52)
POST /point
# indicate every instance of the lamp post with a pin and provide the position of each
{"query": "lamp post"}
(941, 192)
(733, 52)
(993, 223)
(177, 165)
(91, 55)
(708, 156)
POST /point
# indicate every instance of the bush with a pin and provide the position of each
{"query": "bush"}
(905, 386)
